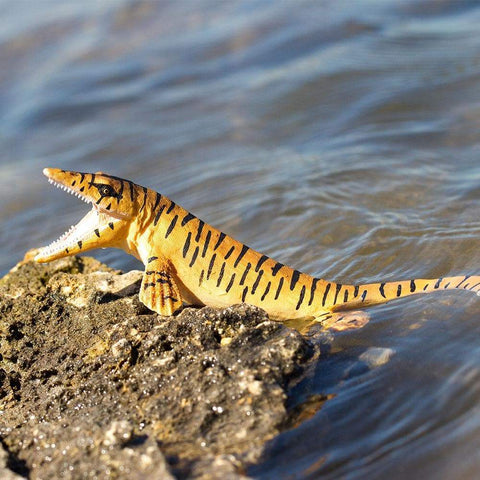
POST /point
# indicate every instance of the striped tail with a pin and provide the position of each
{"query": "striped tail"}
(358, 296)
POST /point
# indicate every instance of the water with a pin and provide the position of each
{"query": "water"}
(338, 137)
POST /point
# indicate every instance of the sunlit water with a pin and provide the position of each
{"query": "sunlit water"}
(341, 138)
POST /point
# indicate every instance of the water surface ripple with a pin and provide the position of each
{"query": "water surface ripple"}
(338, 137)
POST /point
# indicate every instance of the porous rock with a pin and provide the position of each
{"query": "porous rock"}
(94, 385)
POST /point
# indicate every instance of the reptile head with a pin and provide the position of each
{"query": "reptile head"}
(114, 204)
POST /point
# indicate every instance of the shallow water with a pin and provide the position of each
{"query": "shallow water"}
(338, 137)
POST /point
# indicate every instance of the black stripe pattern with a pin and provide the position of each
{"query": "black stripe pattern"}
(312, 290)
(327, 288)
(302, 296)
(186, 246)
(245, 273)
(171, 226)
(241, 255)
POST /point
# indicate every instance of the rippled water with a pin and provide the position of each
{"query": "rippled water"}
(338, 137)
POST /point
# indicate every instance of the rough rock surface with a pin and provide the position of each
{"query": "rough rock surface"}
(94, 385)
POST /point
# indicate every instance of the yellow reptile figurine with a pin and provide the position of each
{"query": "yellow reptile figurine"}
(188, 261)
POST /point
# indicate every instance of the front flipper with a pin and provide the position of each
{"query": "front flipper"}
(159, 292)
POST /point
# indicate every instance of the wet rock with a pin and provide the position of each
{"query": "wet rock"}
(120, 432)
(6, 466)
(94, 385)
(122, 350)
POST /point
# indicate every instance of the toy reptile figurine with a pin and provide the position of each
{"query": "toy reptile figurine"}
(188, 261)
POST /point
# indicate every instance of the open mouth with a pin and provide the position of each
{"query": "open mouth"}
(88, 227)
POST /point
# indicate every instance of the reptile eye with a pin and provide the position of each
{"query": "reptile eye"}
(106, 191)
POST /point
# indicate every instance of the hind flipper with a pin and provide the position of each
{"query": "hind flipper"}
(342, 321)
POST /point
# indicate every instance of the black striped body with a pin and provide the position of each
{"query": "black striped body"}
(187, 260)
(214, 269)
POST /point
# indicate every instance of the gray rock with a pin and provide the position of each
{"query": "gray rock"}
(94, 385)
(5, 472)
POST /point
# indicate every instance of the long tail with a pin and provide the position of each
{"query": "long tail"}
(343, 297)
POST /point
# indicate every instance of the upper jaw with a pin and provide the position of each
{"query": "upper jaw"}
(54, 176)
(86, 199)
(69, 190)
